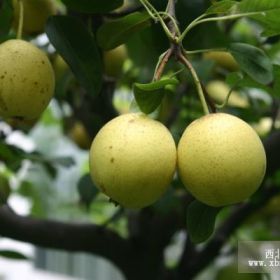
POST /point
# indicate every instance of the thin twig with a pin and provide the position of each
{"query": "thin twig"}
(161, 66)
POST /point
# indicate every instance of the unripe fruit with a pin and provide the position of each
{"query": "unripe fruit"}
(218, 90)
(60, 67)
(223, 59)
(80, 136)
(133, 160)
(113, 61)
(36, 13)
(26, 80)
(221, 159)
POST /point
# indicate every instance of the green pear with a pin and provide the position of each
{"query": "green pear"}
(218, 90)
(133, 160)
(221, 159)
(114, 60)
(222, 59)
(36, 13)
(26, 80)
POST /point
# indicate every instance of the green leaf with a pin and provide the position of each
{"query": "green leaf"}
(248, 6)
(276, 84)
(77, 46)
(270, 23)
(93, 6)
(5, 189)
(149, 96)
(87, 190)
(240, 81)
(201, 221)
(116, 32)
(253, 61)
(221, 7)
(6, 16)
(13, 255)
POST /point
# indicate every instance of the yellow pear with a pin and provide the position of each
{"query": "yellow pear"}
(218, 90)
(26, 80)
(133, 160)
(60, 67)
(263, 126)
(36, 13)
(223, 59)
(80, 136)
(114, 60)
(221, 159)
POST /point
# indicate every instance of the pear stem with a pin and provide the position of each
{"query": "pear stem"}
(21, 17)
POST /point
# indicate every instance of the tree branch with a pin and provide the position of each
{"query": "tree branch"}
(66, 236)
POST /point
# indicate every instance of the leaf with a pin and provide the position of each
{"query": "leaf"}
(201, 221)
(221, 7)
(149, 96)
(228, 7)
(87, 190)
(276, 84)
(116, 32)
(248, 6)
(77, 46)
(237, 80)
(6, 16)
(93, 6)
(13, 255)
(63, 161)
(253, 61)
(270, 22)
(5, 189)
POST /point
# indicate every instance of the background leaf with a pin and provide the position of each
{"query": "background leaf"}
(221, 7)
(236, 80)
(13, 255)
(6, 16)
(276, 84)
(93, 6)
(87, 190)
(201, 221)
(77, 46)
(117, 32)
(270, 22)
(248, 6)
(253, 61)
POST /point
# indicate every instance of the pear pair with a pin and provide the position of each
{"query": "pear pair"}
(220, 160)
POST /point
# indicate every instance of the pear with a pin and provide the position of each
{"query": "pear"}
(26, 80)
(221, 159)
(222, 59)
(133, 160)
(36, 13)
(114, 60)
